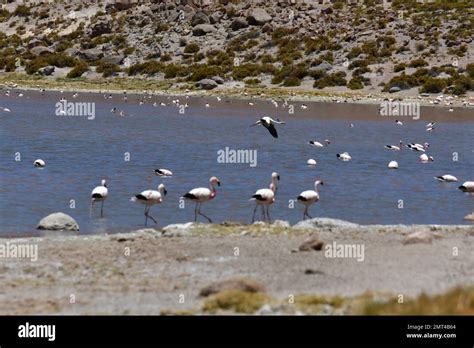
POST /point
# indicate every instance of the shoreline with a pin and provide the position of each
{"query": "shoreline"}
(159, 88)
(148, 270)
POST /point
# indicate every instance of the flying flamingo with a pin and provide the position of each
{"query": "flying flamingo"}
(99, 194)
(150, 197)
(269, 123)
(201, 195)
(309, 197)
(265, 197)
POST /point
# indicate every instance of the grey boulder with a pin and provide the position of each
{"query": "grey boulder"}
(206, 84)
(58, 221)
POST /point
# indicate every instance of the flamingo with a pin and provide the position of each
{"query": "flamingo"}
(393, 165)
(394, 147)
(424, 158)
(265, 197)
(446, 178)
(39, 163)
(309, 197)
(201, 195)
(99, 194)
(268, 123)
(418, 147)
(150, 197)
(467, 186)
(163, 172)
(344, 156)
(318, 144)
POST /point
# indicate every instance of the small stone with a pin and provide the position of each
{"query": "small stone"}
(242, 284)
(313, 243)
(418, 237)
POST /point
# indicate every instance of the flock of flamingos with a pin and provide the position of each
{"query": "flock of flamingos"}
(264, 197)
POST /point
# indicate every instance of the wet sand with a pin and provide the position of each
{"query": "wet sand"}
(146, 271)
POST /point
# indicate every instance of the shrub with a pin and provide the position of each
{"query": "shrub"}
(417, 63)
(147, 68)
(173, 70)
(399, 67)
(78, 70)
(334, 79)
(291, 81)
(433, 85)
(193, 47)
(203, 71)
(470, 70)
(22, 11)
(107, 69)
(355, 83)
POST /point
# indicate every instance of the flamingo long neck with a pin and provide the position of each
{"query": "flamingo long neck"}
(213, 190)
(316, 184)
(273, 185)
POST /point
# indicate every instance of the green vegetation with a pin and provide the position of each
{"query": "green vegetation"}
(193, 47)
(149, 68)
(55, 59)
(236, 301)
(107, 69)
(78, 70)
(458, 301)
(335, 79)
(418, 63)
(22, 11)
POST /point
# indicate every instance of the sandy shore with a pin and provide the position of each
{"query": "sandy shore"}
(231, 90)
(149, 271)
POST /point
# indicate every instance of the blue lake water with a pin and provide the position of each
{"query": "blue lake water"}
(79, 152)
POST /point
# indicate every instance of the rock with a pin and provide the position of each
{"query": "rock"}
(418, 237)
(281, 223)
(313, 243)
(206, 84)
(215, 17)
(394, 89)
(469, 217)
(34, 43)
(203, 29)
(242, 284)
(40, 50)
(258, 16)
(46, 71)
(325, 66)
(218, 79)
(100, 27)
(239, 23)
(178, 230)
(199, 18)
(267, 28)
(58, 221)
(114, 59)
(325, 223)
(90, 55)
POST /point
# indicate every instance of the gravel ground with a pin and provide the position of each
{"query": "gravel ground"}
(148, 271)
